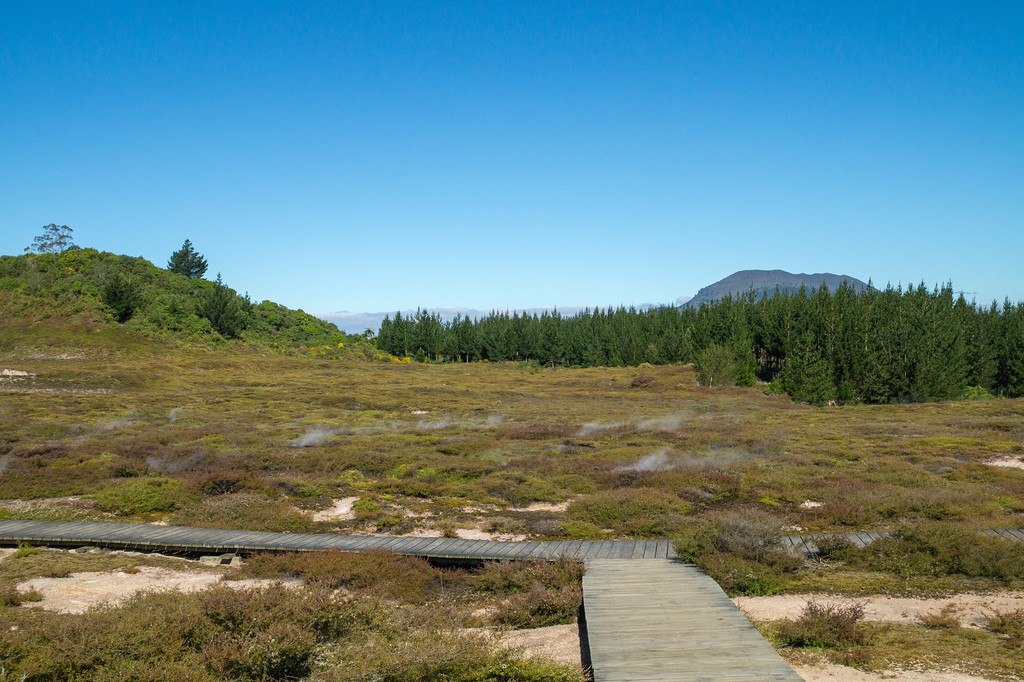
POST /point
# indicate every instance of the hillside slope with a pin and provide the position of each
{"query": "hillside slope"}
(86, 288)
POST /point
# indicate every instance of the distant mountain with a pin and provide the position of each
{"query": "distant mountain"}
(766, 281)
(357, 323)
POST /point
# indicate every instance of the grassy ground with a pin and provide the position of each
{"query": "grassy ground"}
(249, 438)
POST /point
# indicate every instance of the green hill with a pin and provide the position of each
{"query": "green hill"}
(91, 291)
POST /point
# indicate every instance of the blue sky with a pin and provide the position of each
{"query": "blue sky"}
(382, 156)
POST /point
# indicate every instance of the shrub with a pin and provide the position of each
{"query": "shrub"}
(408, 578)
(944, 619)
(243, 511)
(539, 607)
(943, 549)
(141, 496)
(538, 593)
(835, 547)
(579, 530)
(740, 552)
(716, 366)
(737, 575)
(1007, 623)
(11, 596)
(753, 536)
(825, 625)
(611, 508)
(25, 550)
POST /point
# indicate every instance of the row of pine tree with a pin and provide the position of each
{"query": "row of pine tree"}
(878, 346)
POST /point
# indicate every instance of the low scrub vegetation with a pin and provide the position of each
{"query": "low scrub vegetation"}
(741, 552)
(356, 616)
(260, 633)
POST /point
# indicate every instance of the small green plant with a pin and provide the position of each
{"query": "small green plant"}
(943, 619)
(25, 551)
(1010, 623)
(835, 548)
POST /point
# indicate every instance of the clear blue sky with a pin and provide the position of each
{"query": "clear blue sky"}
(377, 156)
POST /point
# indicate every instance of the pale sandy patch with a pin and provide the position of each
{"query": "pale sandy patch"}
(545, 506)
(841, 673)
(969, 609)
(4, 553)
(481, 534)
(560, 643)
(341, 510)
(81, 591)
(15, 373)
(1006, 461)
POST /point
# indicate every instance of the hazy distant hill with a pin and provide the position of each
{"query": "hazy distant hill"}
(766, 281)
(356, 323)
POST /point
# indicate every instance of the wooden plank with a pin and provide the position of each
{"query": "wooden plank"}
(509, 550)
(551, 550)
(457, 547)
(530, 547)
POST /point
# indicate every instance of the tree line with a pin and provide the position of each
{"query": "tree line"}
(877, 346)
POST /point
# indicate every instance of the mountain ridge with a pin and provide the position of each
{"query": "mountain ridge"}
(765, 282)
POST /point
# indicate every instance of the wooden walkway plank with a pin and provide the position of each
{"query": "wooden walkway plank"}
(658, 619)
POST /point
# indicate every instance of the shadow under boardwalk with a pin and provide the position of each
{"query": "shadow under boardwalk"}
(658, 619)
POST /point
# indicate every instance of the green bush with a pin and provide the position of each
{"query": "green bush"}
(835, 547)
(739, 576)
(141, 496)
(717, 366)
(825, 626)
(943, 549)
(741, 552)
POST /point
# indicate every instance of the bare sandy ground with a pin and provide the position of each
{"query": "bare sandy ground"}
(841, 673)
(1007, 461)
(559, 643)
(81, 591)
(341, 510)
(969, 609)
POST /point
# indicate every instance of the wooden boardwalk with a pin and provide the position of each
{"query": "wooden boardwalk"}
(213, 541)
(805, 543)
(657, 619)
